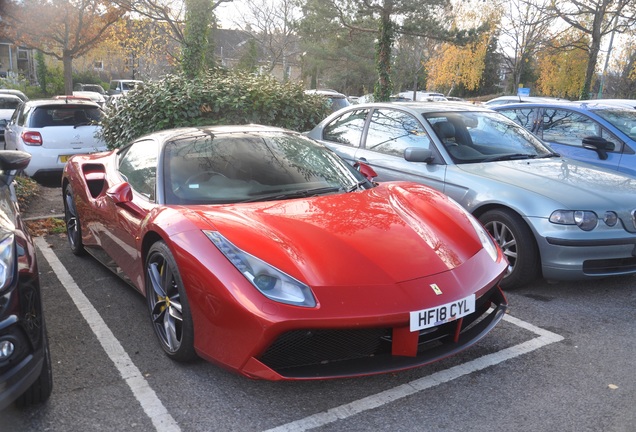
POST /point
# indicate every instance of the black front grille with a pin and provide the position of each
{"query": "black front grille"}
(609, 266)
(341, 352)
(308, 347)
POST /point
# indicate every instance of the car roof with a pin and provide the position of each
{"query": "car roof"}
(627, 103)
(580, 105)
(326, 92)
(61, 102)
(14, 92)
(10, 96)
(424, 107)
(192, 131)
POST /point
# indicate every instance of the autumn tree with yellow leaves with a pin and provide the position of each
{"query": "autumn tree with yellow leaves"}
(562, 66)
(455, 65)
(63, 29)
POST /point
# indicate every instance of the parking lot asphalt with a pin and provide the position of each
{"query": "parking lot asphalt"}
(562, 360)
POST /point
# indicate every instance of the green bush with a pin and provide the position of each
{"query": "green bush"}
(219, 98)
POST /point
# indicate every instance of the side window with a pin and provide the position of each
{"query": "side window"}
(392, 131)
(138, 165)
(346, 129)
(20, 115)
(525, 117)
(569, 127)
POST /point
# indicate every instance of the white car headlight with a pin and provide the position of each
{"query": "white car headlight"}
(271, 282)
(7, 260)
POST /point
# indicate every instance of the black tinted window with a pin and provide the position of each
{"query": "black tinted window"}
(250, 167)
(9, 103)
(64, 115)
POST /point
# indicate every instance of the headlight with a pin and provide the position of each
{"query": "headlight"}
(484, 236)
(7, 260)
(586, 220)
(271, 282)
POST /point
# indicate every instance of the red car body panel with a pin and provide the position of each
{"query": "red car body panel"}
(370, 257)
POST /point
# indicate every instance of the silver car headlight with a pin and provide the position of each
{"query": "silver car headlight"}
(586, 220)
(7, 260)
(271, 282)
(486, 239)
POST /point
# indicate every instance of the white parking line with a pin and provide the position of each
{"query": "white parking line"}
(377, 400)
(152, 406)
(163, 421)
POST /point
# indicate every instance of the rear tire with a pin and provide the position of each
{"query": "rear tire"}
(518, 245)
(73, 224)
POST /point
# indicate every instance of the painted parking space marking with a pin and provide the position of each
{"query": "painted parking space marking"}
(145, 395)
(345, 411)
(164, 422)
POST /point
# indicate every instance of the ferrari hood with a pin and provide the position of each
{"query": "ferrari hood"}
(572, 184)
(389, 234)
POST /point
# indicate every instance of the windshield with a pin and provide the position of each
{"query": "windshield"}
(482, 136)
(9, 103)
(623, 119)
(248, 167)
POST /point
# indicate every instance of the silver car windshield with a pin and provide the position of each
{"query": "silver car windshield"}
(482, 136)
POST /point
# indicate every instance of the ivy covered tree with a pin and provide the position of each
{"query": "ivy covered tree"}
(198, 20)
(425, 18)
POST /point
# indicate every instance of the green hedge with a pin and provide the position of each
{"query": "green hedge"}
(219, 98)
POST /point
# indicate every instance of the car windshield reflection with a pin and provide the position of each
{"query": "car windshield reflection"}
(233, 168)
(475, 137)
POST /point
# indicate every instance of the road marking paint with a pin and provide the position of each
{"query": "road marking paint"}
(391, 395)
(150, 402)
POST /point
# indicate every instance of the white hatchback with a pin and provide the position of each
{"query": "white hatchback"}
(52, 131)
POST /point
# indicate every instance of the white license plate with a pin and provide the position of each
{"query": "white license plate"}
(448, 312)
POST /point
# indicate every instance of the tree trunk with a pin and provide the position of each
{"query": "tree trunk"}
(67, 61)
(384, 86)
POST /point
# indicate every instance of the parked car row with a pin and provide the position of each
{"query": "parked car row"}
(552, 216)
(436, 205)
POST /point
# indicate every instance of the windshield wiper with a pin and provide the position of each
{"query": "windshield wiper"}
(550, 155)
(357, 185)
(512, 156)
(302, 193)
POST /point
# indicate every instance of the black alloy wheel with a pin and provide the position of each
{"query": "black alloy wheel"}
(517, 244)
(73, 225)
(168, 304)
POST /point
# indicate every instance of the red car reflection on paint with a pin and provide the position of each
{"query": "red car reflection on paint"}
(262, 251)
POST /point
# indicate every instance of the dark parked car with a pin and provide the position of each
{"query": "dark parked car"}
(597, 133)
(25, 361)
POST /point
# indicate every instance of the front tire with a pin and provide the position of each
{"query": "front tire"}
(518, 245)
(168, 304)
(40, 391)
(73, 225)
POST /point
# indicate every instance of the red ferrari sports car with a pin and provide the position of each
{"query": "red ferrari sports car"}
(262, 251)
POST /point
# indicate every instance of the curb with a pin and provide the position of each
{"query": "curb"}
(54, 216)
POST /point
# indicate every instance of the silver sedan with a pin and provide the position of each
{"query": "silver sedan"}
(553, 217)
